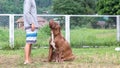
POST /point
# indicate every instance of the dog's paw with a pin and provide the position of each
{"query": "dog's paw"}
(53, 45)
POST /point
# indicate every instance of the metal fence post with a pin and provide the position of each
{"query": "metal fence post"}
(118, 28)
(67, 28)
(11, 30)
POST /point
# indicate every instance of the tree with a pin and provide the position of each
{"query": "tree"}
(108, 7)
(16, 6)
(11, 6)
(74, 6)
(44, 6)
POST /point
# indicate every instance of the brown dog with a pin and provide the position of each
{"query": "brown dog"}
(59, 49)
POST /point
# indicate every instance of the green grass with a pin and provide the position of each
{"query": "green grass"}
(105, 57)
(4, 38)
(93, 37)
(78, 37)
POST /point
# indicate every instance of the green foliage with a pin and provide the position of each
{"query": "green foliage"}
(105, 7)
(43, 37)
(11, 6)
(45, 29)
(74, 7)
(44, 6)
(16, 6)
(108, 7)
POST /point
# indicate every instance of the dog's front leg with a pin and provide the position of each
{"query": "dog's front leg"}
(50, 53)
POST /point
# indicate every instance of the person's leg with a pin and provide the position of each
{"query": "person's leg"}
(27, 53)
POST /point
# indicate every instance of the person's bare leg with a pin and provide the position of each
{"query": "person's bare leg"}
(30, 52)
(27, 53)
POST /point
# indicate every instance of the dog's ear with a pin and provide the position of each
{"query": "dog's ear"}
(58, 27)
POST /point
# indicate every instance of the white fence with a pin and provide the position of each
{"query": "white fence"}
(67, 25)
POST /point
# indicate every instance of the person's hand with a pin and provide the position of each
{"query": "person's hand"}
(32, 27)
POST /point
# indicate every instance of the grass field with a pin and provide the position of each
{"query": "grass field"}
(85, 58)
(101, 57)
(78, 37)
(93, 37)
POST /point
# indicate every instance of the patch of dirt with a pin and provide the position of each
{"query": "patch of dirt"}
(7, 62)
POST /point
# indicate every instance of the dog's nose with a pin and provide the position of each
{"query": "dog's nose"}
(51, 20)
(51, 23)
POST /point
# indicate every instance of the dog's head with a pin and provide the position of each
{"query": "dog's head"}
(54, 26)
